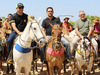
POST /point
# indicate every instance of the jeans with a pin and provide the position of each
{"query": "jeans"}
(65, 43)
(10, 41)
(77, 38)
(99, 38)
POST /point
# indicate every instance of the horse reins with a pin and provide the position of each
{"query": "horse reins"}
(34, 35)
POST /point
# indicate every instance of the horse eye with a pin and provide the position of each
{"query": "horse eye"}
(34, 28)
(52, 32)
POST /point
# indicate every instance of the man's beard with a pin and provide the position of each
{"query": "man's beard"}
(50, 15)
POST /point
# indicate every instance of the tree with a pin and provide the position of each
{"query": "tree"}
(73, 23)
(91, 17)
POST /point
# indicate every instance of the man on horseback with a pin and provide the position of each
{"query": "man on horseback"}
(18, 23)
(7, 25)
(83, 27)
(47, 29)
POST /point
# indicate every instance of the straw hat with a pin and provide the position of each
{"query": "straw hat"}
(96, 20)
(66, 18)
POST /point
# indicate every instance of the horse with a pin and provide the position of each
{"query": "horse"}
(83, 54)
(3, 49)
(22, 53)
(55, 50)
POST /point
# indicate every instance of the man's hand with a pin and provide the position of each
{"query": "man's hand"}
(47, 39)
(20, 33)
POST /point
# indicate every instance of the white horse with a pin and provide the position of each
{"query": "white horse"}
(22, 54)
(83, 56)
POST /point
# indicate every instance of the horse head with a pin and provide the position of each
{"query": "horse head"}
(56, 36)
(2, 37)
(35, 32)
(85, 48)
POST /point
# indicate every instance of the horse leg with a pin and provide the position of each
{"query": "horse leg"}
(47, 69)
(64, 67)
(80, 73)
(83, 70)
(42, 67)
(7, 68)
(50, 68)
(36, 65)
(93, 68)
(17, 69)
(12, 68)
(59, 70)
(72, 67)
(27, 69)
(89, 67)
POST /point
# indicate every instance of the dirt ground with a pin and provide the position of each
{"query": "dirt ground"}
(38, 72)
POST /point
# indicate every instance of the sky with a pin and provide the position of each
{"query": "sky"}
(61, 7)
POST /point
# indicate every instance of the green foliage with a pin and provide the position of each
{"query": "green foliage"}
(3, 19)
(92, 17)
(73, 23)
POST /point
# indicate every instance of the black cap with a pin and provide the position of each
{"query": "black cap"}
(19, 5)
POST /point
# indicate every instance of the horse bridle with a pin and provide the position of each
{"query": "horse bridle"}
(37, 46)
(85, 48)
(53, 44)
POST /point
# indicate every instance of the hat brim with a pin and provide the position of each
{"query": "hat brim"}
(95, 21)
(66, 18)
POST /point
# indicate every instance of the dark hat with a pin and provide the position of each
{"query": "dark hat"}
(19, 5)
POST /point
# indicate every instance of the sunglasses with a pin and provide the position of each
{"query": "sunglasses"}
(82, 14)
(50, 11)
(21, 7)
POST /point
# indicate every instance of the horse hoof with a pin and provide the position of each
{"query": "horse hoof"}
(88, 73)
(80, 73)
(7, 72)
(64, 71)
(41, 70)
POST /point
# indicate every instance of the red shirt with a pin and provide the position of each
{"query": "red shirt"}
(67, 25)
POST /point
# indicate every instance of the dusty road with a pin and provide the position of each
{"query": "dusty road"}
(38, 72)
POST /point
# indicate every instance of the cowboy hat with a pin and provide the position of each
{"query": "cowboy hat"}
(66, 17)
(96, 20)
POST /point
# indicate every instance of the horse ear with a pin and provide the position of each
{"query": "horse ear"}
(39, 19)
(61, 24)
(51, 25)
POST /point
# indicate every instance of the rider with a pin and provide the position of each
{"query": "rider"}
(97, 27)
(18, 23)
(7, 25)
(83, 27)
(67, 24)
(47, 29)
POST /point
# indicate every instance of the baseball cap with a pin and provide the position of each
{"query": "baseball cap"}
(19, 5)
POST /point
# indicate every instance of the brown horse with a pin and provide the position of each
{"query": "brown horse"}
(55, 50)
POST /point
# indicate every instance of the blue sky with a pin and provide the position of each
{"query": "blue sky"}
(61, 7)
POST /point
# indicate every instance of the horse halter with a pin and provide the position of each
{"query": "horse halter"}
(56, 41)
(85, 48)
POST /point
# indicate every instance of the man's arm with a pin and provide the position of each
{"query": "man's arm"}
(78, 33)
(15, 28)
(90, 32)
(44, 32)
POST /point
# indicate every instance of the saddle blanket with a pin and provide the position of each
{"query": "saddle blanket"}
(21, 49)
(54, 52)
